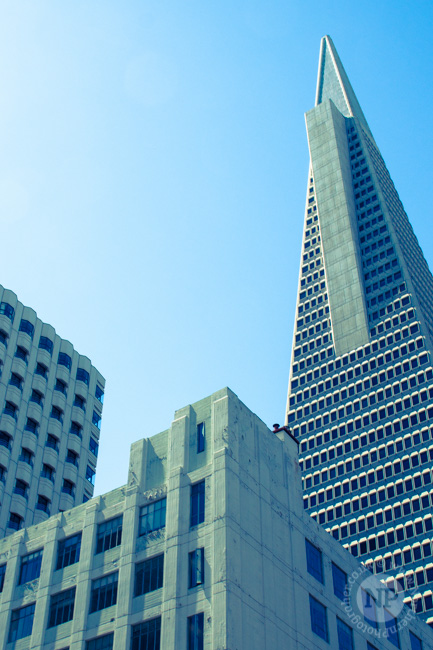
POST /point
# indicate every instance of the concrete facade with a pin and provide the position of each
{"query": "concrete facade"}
(361, 378)
(51, 404)
(207, 546)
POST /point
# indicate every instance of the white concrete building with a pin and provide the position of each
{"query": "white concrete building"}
(207, 546)
(51, 403)
(361, 376)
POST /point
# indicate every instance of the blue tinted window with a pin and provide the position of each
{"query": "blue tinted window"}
(314, 561)
(27, 327)
(83, 375)
(64, 360)
(197, 504)
(30, 567)
(46, 344)
(319, 621)
(7, 310)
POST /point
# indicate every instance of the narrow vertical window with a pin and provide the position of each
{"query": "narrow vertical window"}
(196, 567)
(195, 631)
(200, 437)
(197, 504)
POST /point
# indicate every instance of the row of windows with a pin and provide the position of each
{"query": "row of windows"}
(56, 413)
(316, 329)
(366, 501)
(312, 278)
(356, 442)
(52, 441)
(366, 350)
(109, 534)
(361, 385)
(356, 405)
(405, 422)
(383, 493)
(380, 541)
(371, 456)
(41, 369)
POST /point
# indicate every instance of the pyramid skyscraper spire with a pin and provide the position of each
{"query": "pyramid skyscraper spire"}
(361, 377)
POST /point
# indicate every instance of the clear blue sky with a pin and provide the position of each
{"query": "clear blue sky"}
(153, 173)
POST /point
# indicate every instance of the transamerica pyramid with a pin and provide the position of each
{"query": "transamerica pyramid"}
(361, 376)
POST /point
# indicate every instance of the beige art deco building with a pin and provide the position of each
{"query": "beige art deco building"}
(207, 546)
(50, 414)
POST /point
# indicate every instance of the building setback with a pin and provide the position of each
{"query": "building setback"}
(361, 378)
(51, 403)
(206, 547)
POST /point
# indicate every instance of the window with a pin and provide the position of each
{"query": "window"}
(200, 437)
(76, 429)
(369, 608)
(15, 521)
(196, 568)
(195, 631)
(10, 409)
(3, 337)
(72, 457)
(147, 635)
(52, 442)
(68, 487)
(99, 394)
(2, 576)
(37, 397)
(339, 579)
(83, 375)
(391, 629)
(3, 474)
(104, 592)
(64, 360)
(415, 643)
(314, 561)
(68, 551)
(32, 426)
(319, 621)
(345, 636)
(21, 623)
(21, 353)
(60, 386)
(5, 439)
(21, 488)
(101, 642)
(43, 504)
(152, 517)
(7, 310)
(61, 608)
(26, 456)
(46, 344)
(96, 419)
(109, 534)
(90, 474)
(197, 504)
(56, 414)
(149, 575)
(93, 446)
(30, 567)
(41, 370)
(80, 402)
(16, 380)
(27, 327)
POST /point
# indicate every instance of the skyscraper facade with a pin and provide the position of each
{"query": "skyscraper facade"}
(51, 404)
(361, 378)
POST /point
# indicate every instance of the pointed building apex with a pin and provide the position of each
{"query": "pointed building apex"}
(333, 83)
